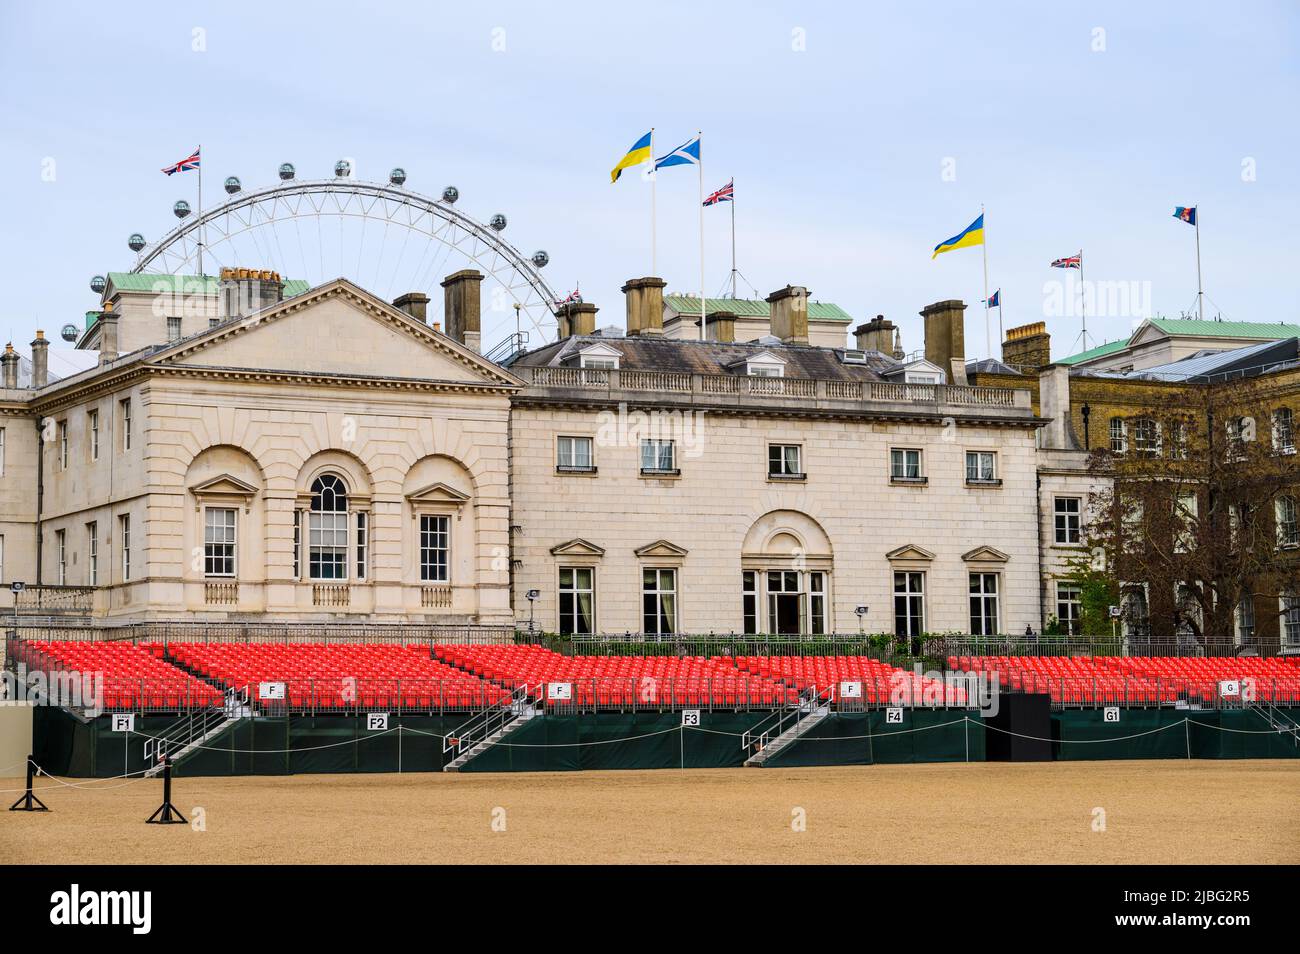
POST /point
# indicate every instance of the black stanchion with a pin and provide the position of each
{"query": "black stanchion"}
(166, 813)
(29, 802)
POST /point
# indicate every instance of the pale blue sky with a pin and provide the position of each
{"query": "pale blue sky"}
(837, 149)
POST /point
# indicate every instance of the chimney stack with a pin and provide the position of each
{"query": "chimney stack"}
(244, 291)
(108, 344)
(9, 362)
(789, 311)
(720, 326)
(1054, 404)
(1028, 348)
(415, 304)
(945, 338)
(876, 335)
(40, 361)
(577, 318)
(645, 306)
(462, 307)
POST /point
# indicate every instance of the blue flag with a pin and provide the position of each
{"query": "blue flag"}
(687, 154)
(1185, 214)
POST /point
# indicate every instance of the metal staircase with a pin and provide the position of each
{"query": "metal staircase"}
(192, 730)
(487, 727)
(783, 727)
(1278, 720)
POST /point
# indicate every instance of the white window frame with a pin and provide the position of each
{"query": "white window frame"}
(1284, 430)
(782, 461)
(92, 423)
(2, 451)
(909, 586)
(1147, 438)
(1290, 619)
(982, 474)
(663, 583)
(435, 539)
(92, 553)
(124, 525)
(214, 557)
(321, 523)
(574, 592)
(1117, 430)
(173, 329)
(61, 555)
(1062, 520)
(985, 597)
(764, 369)
(62, 431)
(1069, 595)
(750, 613)
(658, 456)
(363, 543)
(124, 406)
(571, 465)
(1287, 524)
(900, 462)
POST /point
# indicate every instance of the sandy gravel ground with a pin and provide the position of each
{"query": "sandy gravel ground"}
(1160, 811)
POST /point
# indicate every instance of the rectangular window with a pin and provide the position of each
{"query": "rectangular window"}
(92, 553)
(1066, 518)
(817, 603)
(785, 603)
(213, 322)
(63, 445)
(577, 601)
(1245, 617)
(2, 557)
(1134, 612)
(1291, 620)
(909, 603)
(2, 451)
(784, 460)
(61, 554)
(327, 544)
(904, 463)
(658, 457)
(658, 601)
(1283, 431)
(435, 548)
(1069, 607)
(1146, 437)
(574, 454)
(125, 522)
(219, 541)
(363, 541)
(173, 329)
(981, 467)
(297, 544)
(1118, 436)
(749, 601)
(984, 604)
(1287, 516)
(125, 407)
(92, 425)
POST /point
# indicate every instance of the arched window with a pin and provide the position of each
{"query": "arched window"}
(328, 529)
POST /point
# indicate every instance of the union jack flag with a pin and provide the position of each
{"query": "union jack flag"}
(1072, 261)
(185, 165)
(573, 296)
(722, 195)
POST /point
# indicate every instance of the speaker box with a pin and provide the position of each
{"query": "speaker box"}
(1021, 731)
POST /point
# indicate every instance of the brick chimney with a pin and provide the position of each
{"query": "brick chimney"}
(108, 341)
(876, 335)
(1028, 348)
(1054, 404)
(415, 304)
(945, 337)
(244, 291)
(645, 306)
(577, 318)
(788, 308)
(40, 361)
(720, 326)
(462, 307)
(9, 362)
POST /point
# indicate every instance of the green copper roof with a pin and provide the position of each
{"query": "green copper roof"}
(1194, 327)
(184, 284)
(748, 308)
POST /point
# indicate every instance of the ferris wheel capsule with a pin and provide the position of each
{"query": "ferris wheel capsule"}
(69, 332)
(397, 176)
(342, 169)
(286, 171)
(135, 242)
(98, 284)
(497, 222)
(450, 195)
(181, 209)
(233, 185)
(540, 258)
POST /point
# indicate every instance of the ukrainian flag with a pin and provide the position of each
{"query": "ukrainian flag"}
(639, 153)
(973, 234)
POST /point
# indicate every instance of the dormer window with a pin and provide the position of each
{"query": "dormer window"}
(916, 372)
(598, 357)
(599, 363)
(762, 364)
(922, 377)
(757, 369)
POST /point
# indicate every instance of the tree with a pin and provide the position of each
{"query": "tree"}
(1198, 519)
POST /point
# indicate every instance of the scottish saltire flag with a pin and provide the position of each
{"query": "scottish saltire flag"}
(185, 165)
(1071, 261)
(1185, 214)
(639, 153)
(995, 300)
(973, 234)
(687, 154)
(725, 194)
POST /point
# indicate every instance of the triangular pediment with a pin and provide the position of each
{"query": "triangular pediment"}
(984, 555)
(1146, 332)
(909, 551)
(660, 548)
(438, 493)
(578, 547)
(224, 484)
(337, 330)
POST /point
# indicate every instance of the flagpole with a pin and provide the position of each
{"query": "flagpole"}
(1200, 290)
(200, 155)
(733, 237)
(699, 140)
(654, 182)
(1083, 302)
(988, 322)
